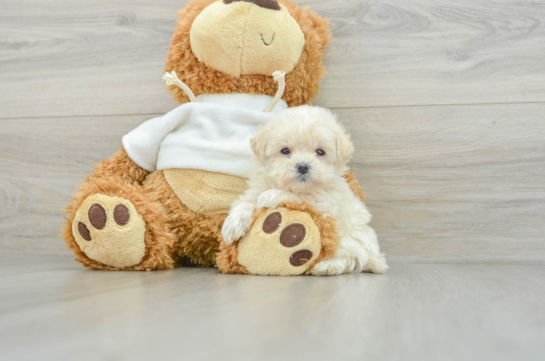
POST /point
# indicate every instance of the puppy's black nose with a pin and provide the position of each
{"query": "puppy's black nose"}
(267, 4)
(302, 168)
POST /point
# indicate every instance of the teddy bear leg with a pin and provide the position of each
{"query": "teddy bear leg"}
(113, 225)
(197, 234)
(284, 241)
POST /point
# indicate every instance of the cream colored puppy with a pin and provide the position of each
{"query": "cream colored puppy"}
(302, 155)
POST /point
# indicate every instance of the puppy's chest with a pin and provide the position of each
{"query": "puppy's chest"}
(328, 205)
(337, 202)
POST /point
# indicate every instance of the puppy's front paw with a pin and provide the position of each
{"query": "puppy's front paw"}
(235, 227)
(271, 198)
(332, 267)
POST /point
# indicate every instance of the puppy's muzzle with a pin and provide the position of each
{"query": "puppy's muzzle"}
(302, 168)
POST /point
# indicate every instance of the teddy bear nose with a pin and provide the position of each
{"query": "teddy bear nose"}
(303, 168)
(267, 4)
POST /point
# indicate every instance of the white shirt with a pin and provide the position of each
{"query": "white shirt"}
(211, 134)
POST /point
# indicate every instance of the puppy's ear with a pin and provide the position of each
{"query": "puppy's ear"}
(259, 144)
(345, 149)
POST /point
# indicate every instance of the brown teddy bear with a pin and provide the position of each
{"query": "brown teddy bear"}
(160, 202)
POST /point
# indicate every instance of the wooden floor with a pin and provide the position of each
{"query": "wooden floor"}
(52, 309)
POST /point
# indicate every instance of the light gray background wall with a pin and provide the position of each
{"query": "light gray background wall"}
(445, 101)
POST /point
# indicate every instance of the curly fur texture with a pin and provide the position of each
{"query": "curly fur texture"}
(186, 234)
(173, 232)
(302, 83)
(354, 186)
(227, 259)
(197, 235)
(120, 176)
(119, 165)
(302, 154)
(159, 241)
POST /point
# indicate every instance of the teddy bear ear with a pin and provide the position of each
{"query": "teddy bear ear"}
(321, 26)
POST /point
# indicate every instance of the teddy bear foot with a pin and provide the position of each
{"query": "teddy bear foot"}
(281, 242)
(110, 230)
(284, 241)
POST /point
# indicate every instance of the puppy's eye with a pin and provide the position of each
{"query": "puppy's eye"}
(285, 151)
(320, 152)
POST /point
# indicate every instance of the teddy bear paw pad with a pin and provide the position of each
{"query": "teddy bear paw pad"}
(281, 242)
(110, 230)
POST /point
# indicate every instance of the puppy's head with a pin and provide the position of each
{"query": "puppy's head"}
(303, 148)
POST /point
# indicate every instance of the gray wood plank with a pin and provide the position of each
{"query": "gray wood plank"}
(53, 310)
(67, 58)
(417, 52)
(453, 183)
(84, 57)
(444, 183)
(43, 162)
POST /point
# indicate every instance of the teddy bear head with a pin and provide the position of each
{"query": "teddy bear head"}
(234, 46)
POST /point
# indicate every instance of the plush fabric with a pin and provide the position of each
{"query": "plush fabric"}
(197, 236)
(302, 83)
(119, 177)
(113, 244)
(213, 136)
(175, 232)
(204, 192)
(242, 38)
(229, 258)
(264, 253)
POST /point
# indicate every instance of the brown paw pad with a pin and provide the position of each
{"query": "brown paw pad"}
(122, 215)
(301, 257)
(84, 231)
(272, 222)
(281, 242)
(292, 235)
(110, 230)
(97, 216)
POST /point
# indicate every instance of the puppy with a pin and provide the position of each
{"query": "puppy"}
(302, 155)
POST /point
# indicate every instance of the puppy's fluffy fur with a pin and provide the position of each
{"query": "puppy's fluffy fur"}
(302, 155)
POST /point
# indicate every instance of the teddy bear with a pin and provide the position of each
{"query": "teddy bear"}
(161, 200)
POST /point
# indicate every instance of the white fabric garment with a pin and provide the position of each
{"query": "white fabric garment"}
(211, 134)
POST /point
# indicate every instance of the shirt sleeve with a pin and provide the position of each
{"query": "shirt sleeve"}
(143, 143)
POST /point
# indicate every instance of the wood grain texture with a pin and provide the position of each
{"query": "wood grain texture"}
(76, 58)
(64, 57)
(52, 309)
(43, 162)
(417, 52)
(444, 183)
(453, 183)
